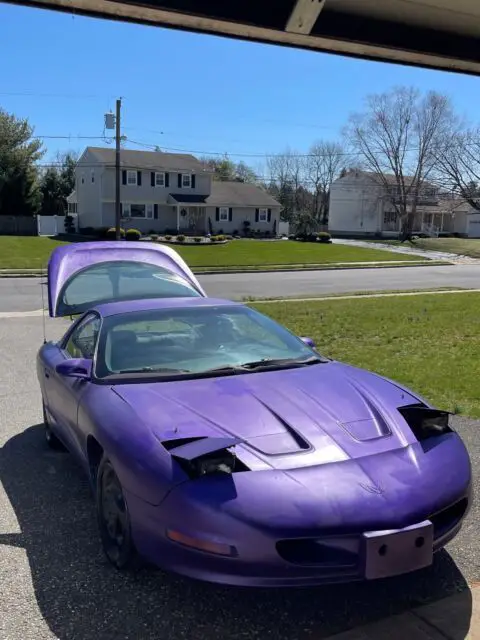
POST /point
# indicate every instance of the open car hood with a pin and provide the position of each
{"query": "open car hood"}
(83, 274)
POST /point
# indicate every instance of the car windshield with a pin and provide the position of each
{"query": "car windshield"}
(197, 341)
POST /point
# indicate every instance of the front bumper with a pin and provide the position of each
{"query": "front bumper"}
(263, 561)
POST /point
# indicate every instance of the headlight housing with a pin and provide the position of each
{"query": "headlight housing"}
(221, 462)
(425, 422)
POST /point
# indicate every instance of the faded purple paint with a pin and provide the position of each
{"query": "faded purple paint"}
(332, 462)
(66, 260)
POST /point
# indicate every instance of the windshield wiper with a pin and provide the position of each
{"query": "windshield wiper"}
(154, 370)
(281, 362)
(265, 363)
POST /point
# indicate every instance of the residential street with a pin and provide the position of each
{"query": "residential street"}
(24, 294)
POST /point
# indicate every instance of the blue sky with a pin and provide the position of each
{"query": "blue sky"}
(206, 94)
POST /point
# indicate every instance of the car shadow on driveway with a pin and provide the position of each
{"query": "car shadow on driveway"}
(81, 596)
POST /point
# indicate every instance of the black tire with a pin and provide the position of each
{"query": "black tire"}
(114, 519)
(50, 438)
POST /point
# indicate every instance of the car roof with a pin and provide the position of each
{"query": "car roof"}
(151, 304)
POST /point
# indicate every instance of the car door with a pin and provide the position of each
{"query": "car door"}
(64, 393)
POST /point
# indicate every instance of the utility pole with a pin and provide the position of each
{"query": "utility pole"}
(117, 170)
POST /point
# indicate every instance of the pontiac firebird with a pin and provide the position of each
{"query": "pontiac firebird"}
(223, 447)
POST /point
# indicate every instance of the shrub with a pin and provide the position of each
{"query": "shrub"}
(69, 224)
(213, 238)
(88, 231)
(235, 233)
(228, 237)
(110, 234)
(323, 236)
(168, 238)
(180, 238)
(198, 239)
(133, 234)
(154, 237)
(292, 236)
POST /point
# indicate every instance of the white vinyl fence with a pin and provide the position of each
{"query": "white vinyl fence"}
(54, 225)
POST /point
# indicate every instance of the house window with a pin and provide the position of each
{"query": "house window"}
(223, 217)
(390, 217)
(137, 210)
(72, 207)
(93, 175)
(159, 179)
(125, 211)
(262, 215)
(186, 180)
(149, 210)
(132, 178)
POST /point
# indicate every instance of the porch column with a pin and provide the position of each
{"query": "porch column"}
(178, 217)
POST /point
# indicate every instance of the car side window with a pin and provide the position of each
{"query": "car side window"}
(83, 339)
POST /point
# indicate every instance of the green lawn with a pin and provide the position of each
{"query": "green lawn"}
(263, 253)
(460, 246)
(25, 252)
(18, 252)
(429, 343)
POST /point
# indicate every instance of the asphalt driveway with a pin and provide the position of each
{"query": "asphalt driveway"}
(55, 582)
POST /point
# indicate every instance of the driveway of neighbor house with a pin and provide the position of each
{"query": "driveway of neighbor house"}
(407, 249)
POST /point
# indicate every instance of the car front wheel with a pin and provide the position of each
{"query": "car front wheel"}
(114, 519)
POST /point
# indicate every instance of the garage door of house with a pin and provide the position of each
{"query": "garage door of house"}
(474, 226)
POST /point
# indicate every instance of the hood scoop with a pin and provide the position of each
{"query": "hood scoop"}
(282, 443)
(368, 429)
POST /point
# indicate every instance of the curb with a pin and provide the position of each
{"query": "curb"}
(356, 296)
(38, 273)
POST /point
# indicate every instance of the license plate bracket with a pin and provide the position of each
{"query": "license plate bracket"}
(391, 553)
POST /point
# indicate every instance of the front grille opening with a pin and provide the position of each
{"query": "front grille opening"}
(326, 553)
(446, 519)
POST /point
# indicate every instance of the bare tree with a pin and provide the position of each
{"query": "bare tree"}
(324, 163)
(396, 139)
(287, 182)
(458, 165)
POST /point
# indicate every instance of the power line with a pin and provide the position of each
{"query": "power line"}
(33, 94)
(73, 137)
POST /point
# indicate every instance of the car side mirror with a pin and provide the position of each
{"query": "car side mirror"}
(79, 368)
(309, 342)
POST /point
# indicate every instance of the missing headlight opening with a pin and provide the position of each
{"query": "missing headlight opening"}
(425, 422)
(223, 462)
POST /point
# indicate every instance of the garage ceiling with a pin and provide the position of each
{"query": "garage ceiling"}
(442, 34)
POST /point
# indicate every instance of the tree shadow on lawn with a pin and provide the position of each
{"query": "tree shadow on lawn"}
(81, 596)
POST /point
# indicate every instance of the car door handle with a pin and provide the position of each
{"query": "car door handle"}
(47, 375)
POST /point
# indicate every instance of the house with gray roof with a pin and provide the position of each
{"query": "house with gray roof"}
(363, 204)
(162, 192)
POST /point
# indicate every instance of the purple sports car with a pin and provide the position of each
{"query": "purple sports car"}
(222, 447)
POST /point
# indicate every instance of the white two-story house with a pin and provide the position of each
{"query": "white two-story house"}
(166, 192)
(360, 204)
